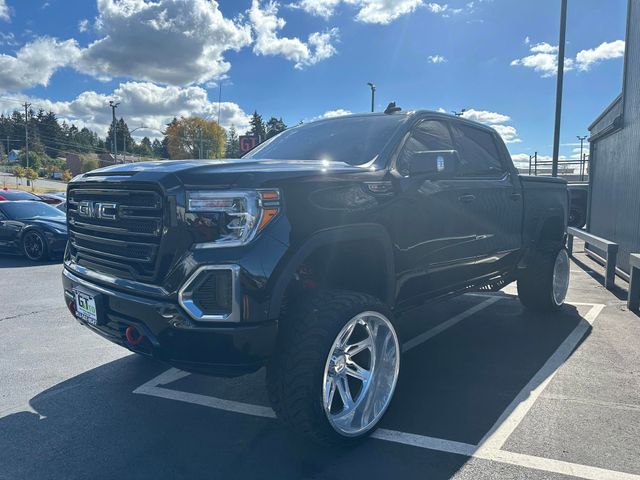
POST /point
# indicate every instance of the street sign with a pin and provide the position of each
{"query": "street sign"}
(247, 142)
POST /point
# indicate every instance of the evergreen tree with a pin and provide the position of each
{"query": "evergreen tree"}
(275, 126)
(257, 127)
(232, 147)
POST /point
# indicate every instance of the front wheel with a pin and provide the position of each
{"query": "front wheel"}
(336, 367)
(34, 246)
(543, 285)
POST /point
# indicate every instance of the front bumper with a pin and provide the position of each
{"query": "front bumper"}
(171, 336)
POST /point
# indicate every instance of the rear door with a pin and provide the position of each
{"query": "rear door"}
(493, 197)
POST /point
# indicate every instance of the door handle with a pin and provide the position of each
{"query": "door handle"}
(515, 196)
(466, 198)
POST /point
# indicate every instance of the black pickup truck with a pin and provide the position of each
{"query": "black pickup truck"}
(302, 256)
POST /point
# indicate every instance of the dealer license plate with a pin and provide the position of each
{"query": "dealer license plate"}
(86, 307)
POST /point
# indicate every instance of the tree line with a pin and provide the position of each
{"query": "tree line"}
(184, 137)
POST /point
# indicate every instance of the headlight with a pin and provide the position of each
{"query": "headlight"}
(239, 215)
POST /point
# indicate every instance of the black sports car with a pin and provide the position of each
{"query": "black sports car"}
(34, 229)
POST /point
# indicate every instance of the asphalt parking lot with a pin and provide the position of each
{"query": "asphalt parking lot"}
(487, 391)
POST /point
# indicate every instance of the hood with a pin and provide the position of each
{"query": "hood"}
(223, 172)
(47, 222)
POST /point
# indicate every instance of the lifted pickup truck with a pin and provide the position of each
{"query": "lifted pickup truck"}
(302, 255)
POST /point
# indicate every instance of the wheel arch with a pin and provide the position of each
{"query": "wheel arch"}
(374, 234)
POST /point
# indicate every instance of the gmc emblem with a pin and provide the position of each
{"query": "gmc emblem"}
(100, 210)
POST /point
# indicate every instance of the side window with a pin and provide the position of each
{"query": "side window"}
(426, 136)
(479, 156)
(2, 215)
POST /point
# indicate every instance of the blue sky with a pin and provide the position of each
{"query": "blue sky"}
(300, 59)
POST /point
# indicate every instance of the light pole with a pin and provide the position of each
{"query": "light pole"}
(114, 129)
(373, 95)
(582, 139)
(124, 150)
(556, 132)
(26, 135)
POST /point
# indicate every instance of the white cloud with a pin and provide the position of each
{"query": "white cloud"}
(544, 57)
(320, 8)
(437, 8)
(168, 41)
(485, 116)
(340, 112)
(384, 11)
(35, 63)
(527, 40)
(83, 25)
(266, 24)
(585, 59)
(4, 11)
(544, 47)
(142, 103)
(436, 59)
(370, 11)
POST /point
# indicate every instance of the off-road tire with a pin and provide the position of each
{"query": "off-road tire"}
(535, 283)
(295, 371)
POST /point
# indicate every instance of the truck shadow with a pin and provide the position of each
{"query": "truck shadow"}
(455, 387)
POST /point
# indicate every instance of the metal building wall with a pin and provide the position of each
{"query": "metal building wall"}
(615, 156)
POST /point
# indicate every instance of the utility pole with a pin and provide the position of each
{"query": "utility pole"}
(26, 134)
(114, 129)
(556, 132)
(373, 95)
(219, 101)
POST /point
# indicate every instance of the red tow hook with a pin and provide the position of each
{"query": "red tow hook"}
(134, 337)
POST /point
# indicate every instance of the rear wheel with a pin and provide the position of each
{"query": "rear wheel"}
(336, 367)
(34, 246)
(543, 285)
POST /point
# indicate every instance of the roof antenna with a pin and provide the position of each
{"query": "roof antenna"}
(391, 108)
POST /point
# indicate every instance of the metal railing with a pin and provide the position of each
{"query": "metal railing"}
(611, 249)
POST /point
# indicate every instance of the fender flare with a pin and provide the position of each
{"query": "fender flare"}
(365, 231)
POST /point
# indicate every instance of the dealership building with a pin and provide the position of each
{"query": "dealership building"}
(614, 175)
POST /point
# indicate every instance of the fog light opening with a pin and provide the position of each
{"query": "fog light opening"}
(134, 337)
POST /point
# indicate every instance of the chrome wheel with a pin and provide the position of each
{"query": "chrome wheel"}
(33, 246)
(360, 373)
(560, 277)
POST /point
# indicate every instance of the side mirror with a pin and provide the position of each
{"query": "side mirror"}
(436, 163)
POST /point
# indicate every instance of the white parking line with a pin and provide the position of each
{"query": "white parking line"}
(423, 337)
(489, 448)
(522, 403)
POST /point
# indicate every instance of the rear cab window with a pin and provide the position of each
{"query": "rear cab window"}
(478, 152)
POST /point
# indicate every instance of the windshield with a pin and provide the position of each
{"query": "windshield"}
(18, 195)
(24, 210)
(353, 140)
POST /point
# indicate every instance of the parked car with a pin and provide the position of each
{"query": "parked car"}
(578, 201)
(51, 199)
(7, 194)
(302, 255)
(62, 207)
(60, 194)
(34, 229)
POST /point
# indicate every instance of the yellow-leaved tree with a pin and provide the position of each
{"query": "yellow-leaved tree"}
(195, 137)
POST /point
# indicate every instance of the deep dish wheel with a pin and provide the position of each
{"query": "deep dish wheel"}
(543, 285)
(336, 366)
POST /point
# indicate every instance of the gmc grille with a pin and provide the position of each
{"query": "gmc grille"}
(126, 245)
